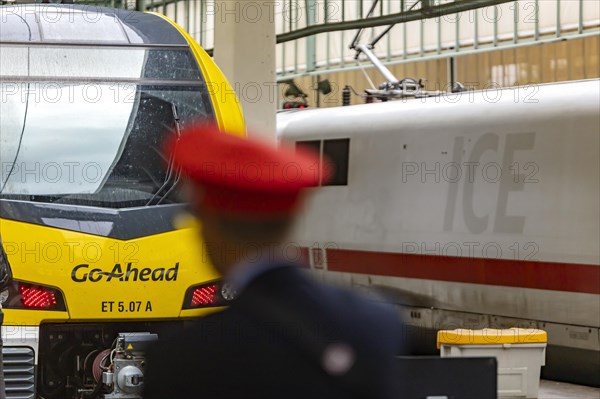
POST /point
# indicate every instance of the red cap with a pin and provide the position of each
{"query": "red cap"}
(241, 175)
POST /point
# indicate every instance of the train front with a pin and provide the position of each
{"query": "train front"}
(101, 259)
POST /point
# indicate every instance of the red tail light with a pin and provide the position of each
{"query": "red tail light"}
(208, 295)
(204, 296)
(29, 296)
(37, 297)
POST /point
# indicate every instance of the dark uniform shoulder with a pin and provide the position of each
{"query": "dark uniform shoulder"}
(332, 321)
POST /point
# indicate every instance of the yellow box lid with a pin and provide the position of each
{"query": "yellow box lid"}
(491, 336)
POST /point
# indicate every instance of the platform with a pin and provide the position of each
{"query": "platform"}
(562, 390)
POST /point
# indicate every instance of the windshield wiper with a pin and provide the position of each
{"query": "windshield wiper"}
(173, 175)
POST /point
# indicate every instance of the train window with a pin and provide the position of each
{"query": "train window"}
(13, 61)
(56, 25)
(314, 145)
(337, 151)
(105, 152)
(101, 64)
(111, 107)
(18, 26)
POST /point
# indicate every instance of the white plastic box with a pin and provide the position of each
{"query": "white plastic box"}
(520, 354)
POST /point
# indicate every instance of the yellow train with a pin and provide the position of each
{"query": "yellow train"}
(101, 259)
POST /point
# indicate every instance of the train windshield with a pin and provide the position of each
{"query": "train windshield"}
(91, 131)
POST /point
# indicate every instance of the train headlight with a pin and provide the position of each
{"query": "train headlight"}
(228, 292)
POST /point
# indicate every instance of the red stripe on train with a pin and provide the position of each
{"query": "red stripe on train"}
(511, 273)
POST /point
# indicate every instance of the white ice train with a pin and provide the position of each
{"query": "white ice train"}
(474, 209)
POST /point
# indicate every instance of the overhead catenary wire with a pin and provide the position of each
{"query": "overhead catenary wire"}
(359, 33)
(389, 28)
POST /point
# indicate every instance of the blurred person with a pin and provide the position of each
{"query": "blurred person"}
(285, 335)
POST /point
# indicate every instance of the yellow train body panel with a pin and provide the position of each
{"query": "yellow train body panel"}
(71, 261)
